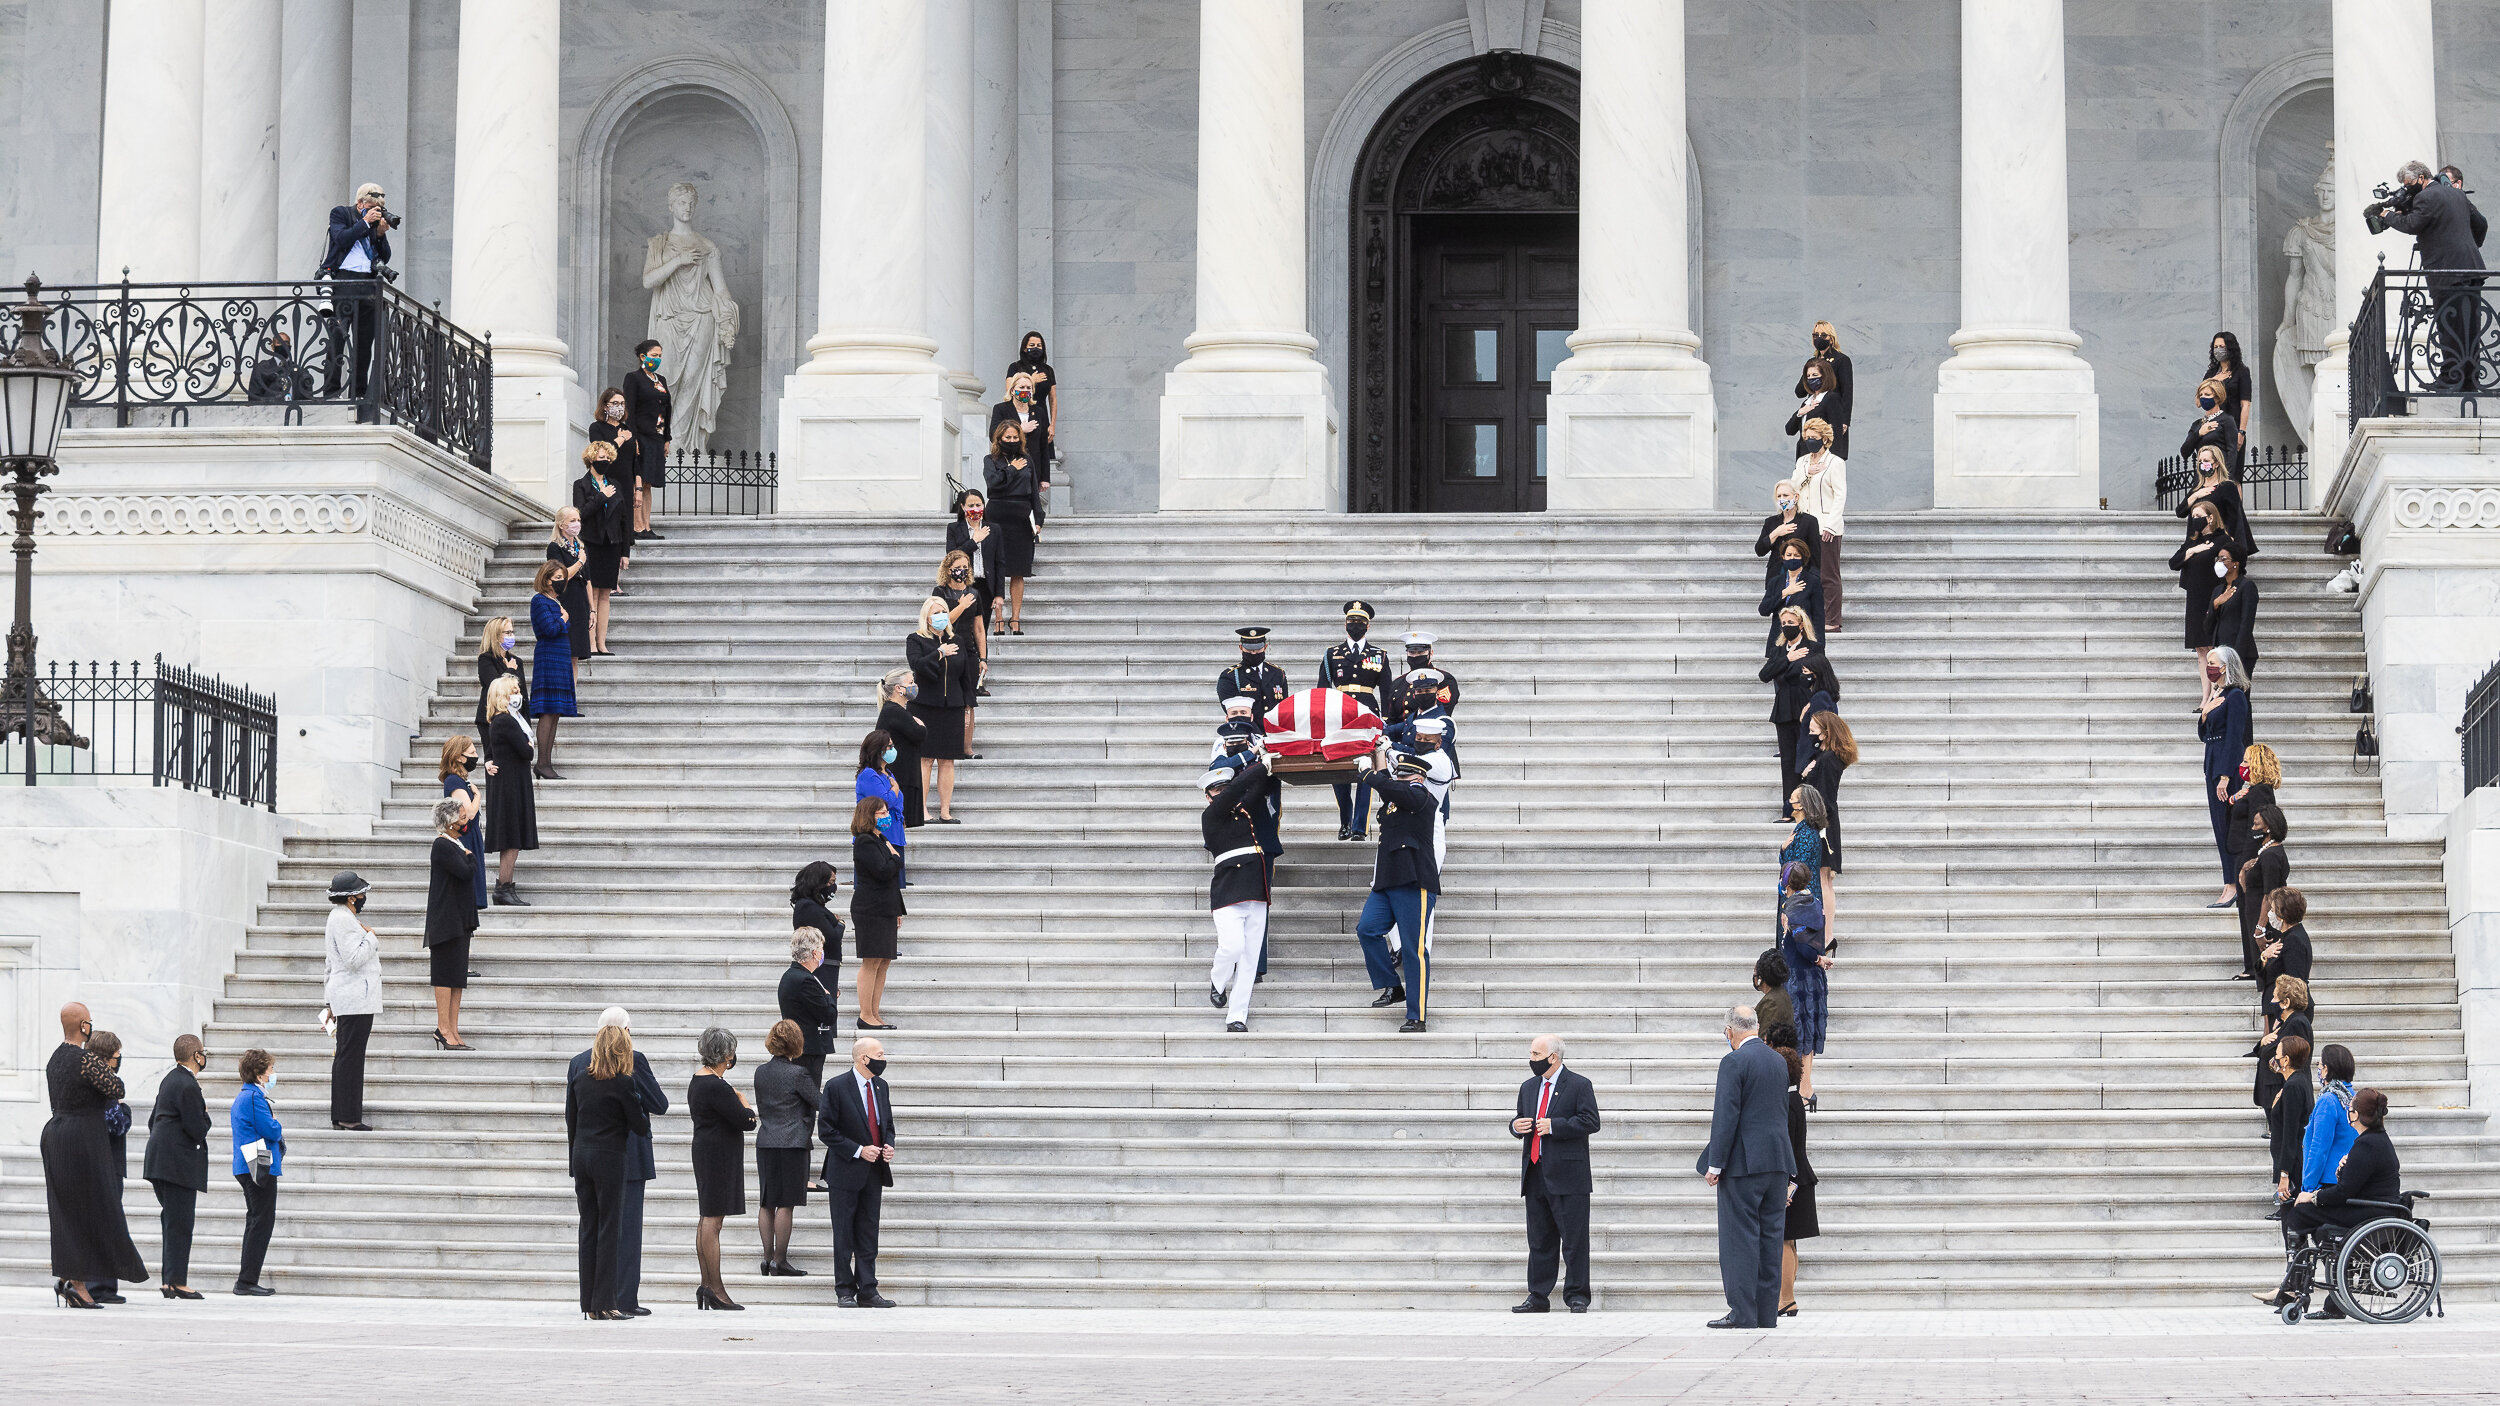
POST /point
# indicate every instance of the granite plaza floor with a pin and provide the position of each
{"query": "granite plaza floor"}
(393, 1350)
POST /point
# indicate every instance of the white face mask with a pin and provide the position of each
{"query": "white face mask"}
(2220, 569)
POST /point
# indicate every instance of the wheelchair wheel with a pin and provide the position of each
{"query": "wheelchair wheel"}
(2291, 1315)
(2387, 1272)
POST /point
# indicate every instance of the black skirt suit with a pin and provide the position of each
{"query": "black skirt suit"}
(607, 527)
(647, 415)
(946, 685)
(721, 1124)
(909, 733)
(2196, 582)
(1794, 683)
(574, 593)
(2232, 623)
(450, 911)
(986, 577)
(876, 898)
(1803, 1223)
(511, 793)
(1014, 493)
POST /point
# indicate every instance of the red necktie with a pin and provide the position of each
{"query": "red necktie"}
(1536, 1144)
(869, 1097)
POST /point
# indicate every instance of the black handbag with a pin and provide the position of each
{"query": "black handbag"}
(2342, 541)
(2361, 701)
(2365, 742)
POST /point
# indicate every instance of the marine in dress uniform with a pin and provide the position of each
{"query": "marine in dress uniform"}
(1362, 670)
(1423, 687)
(1239, 739)
(1406, 889)
(1239, 893)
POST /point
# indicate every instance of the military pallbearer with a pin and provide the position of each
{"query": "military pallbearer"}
(1363, 671)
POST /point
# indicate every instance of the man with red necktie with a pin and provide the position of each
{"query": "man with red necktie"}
(856, 1122)
(1557, 1115)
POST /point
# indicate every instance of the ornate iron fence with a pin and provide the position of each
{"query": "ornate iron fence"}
(164, 722)
(2480, 731)
(2275, 478)
(721, 483)
(2423, 334)
(349, 342)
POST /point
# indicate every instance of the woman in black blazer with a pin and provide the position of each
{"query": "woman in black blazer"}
(1012, 480)
(450, 917)
(807, 993)
(2194, 561)
(2286, 1017)
(2270, 868)
(2214, 426)
(2260, 772)
(722, 1118)
(2226, 365)
(2283, 949)
(876, 907)
(607, 509)
(1794, 665)
(2287, 1118)
(511, 792)
(896, 720)
(972, 534)
(2233, 618)
(646, 414)
(176, 1163)
(602, 1114)
(495, 660)
(1840, 406)
(1793, 581)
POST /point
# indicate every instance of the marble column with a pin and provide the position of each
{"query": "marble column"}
(2384, 117)
(503, 237)
(148, 187)
(953, 201)
(239, 145)
(1246, 419)
(868, 421)
(2017, 420)
(1631, 421)
(316, 62)
(995, 331)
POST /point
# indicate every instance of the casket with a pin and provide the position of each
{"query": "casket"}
(1320, 737)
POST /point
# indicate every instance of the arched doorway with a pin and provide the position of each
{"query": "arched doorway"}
(1465, 283)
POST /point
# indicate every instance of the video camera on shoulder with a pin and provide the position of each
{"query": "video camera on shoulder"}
(2388, 200)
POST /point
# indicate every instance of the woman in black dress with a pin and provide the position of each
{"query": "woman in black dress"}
(1803, 1224)
(1793, 664)
(1028, 407)
(567, 551)
(607, 509)
(495, 660)
(646, 414)
(2194, 561)
(1840, 406)
(1828, 749)
(972, 534)
(82, 1181)
(2225, 364)
(895, 720)
(945, 671)
(2233, 618)
(511, 795)
(1033, 359)
(2214, 426)
(876, 908)
(722, 1119)
(2260, 771)
(962, 596)
(1014, 496)
(450, 916)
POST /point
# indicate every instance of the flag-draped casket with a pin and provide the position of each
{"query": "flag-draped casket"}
(1320, 734)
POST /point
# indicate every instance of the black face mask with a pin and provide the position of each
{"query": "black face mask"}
(1796, 564)
(1821, 342)
(876, 1067)
(2205, 402)
(1789, 633)
(1540, 1065)
(1811, 446)
(1251, 659)
(1356, 629)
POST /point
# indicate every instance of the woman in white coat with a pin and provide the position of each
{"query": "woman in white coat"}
(1823, 490)
(351, 986)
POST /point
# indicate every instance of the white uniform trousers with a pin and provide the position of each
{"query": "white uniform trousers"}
(1240, 930)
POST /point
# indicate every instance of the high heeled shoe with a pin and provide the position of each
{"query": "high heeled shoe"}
(704, 1298)
(173, 1293)
(60, 1292)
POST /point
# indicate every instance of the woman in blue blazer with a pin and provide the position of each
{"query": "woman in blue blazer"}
(252, 1120)
(876, 779)
(2223, 723)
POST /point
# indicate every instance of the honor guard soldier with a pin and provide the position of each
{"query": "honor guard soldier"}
(1240, 739)
(1238, 894)
(1422, 687)
(1362, 670)
(1406, 889)
(1264, 682)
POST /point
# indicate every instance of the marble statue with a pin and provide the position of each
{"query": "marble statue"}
(2308, 303)
(693, 318)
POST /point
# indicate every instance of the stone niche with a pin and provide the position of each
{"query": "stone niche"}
(697, 137)
(2289, 154)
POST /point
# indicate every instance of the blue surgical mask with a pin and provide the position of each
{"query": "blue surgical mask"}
(507, 641)
(889, 756)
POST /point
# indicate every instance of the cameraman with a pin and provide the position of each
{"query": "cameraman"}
(2441, 221)
(358, 259)
(2455, 178)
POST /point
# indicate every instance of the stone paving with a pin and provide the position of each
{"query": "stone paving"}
(375, 1350)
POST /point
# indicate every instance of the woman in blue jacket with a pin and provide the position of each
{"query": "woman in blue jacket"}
(2331, 1135)
(876, 778)
(257, 1171)
(2223, 724)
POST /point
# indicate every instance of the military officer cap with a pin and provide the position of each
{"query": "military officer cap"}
(1413, 764)
(1418, 642)
(1359, 610)
(1432, 727)
(1218, 775)
(1240, 702)
(1252, 637)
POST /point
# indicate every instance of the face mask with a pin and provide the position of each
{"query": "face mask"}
(2205, 401)
(2221, 569)
(1796, 564)
(2213, 674)
(1811, 446)
(1821, 342)
(940, 623)
(1356, 629)
(616, 414)
(651, 362)
(1789, 633)
(1814, 383)
(960, 574)
(1540, 1065)
(910, 692)
(973, 514)
(876, 1067)
(269, 1081)
(1251, 659)
(1011, 448)
(889, 756)
(1785, 504)
(507, 641)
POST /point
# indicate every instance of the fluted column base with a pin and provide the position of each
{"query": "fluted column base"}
(542, 414)
(1250, 438)
(869, 441)
(1631, 426)
(2018, 424)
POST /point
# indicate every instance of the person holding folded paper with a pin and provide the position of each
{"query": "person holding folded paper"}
(259, 1159)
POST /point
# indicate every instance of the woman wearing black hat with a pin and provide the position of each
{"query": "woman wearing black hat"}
(351, 989)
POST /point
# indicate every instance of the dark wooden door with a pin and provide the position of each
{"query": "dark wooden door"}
(1496, 296)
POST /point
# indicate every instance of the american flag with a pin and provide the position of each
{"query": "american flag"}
(1323, 722)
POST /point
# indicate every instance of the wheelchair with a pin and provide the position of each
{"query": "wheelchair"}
(2384, 1270)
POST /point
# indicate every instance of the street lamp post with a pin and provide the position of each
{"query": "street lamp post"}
(34, 402)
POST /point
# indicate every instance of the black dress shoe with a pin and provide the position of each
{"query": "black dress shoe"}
(1215, 998)
(1578, 1305)
(655, 535)
(846, 1300)
(351, 1127)
(1238, 1028)
(637, 1311)
(1345, 832)
(107, 1298)
(788, 1270)
(254, 1291)
(873, 1299)
(1412, 1027)
(1395, 995)
(1728, 1322)
(1531, 1305)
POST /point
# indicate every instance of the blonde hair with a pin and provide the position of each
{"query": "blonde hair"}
(894, 679)
(1832, 332)
(1818, 427)
(599, 451)
(921, 626)
(611, 1053)
(501, 694)
(2291, 991)
(2263, 764)
(556, 533)
(1805, 623)
(2221, 391)
(491, 642)
(2209, 460)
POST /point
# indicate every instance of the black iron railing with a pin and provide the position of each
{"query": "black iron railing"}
(721, 483)
(2424, 334)
(2275, 477)
(2481, 731)
(160, 721)
(353, 342)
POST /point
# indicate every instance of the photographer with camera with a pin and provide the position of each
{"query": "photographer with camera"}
(357, 263)
(2441, 221)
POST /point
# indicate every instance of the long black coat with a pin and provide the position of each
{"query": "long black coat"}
(876, 879)
(451, 892)
(178, 1130)
(2287, 1123)
(511, 796)
(1796, 681)
(945, 682)
(908, 733)
(2233, 623)
(1809, 531)
(807, 997)
(647, 403)
(606, 519)
(1229, 829)
(1838, 407)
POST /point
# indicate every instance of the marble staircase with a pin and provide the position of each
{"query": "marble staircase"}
(2035, 1093)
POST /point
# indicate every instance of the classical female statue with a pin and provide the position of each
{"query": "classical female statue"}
(2308, 304)
(693, 316)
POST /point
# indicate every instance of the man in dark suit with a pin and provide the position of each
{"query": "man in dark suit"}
(1557, 1115)
(855, 1119)
(359, 245)
(176, 1162)
(1750, 1161)
(640, 1170)
(2441, 221)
